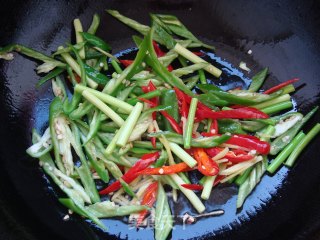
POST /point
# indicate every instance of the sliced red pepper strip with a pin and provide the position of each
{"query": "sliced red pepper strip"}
(239, 113)
(218, 180)
(261, 147)
(235, 156)
(152, 104)
(183, 105)
(281, 85)
(214, 127)
(200, 54)
(170, 68)
(172, 122)
(160, 53)
(77, 77)
(126, 63)
(165, 170)
(158, 50)
(145, 161)
(206, 165)
(149, 198)
(195, 187)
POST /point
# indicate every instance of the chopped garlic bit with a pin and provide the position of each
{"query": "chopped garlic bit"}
(7, 56)
(249, 51)
(243, 66)
(161, 171)
(66, 217)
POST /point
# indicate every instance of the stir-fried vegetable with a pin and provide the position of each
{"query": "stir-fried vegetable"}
(134, 125)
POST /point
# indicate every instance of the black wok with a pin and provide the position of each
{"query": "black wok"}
(283, 35)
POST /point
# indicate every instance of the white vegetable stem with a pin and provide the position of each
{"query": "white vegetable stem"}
(78, 29)
(126, 107)
(207, 187)
(129, 124)
(103, 107)
(193, 198)
(195, 59)
(183, 155)
(75, 67)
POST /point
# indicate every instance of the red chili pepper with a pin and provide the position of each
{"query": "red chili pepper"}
(218, 180)
(251, 143)
(165, 170)
(281, 85)
(183, 106)
(160, 53)
(152, 104)
(77, 78)
(172, 122)
(149, 198)
(170, 68)
(206, 165)
(126, 63)
(235, 156)
(153, 142)
(244, 112)
(200, 54)
(214, 127)
(207, 134)
(133, 172)
(195, 187)
(157, 49)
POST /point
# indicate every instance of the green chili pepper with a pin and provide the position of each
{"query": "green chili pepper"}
(230, 126)
(162, 159)
(68, 107)
(108, 209)
(163, 217)
(81, 65)
(147, 145)
(94, 126)
(243, 177)
(140, 151)
(102, 172)
(252, 126)
(212, 101)
(96, 41)
(95, 75)
(50, 75)
(257, 80)
(162, 32)
(208, 87)
(284, 139)
(83, 170)
(54, 112)
(127, 188)
(176, 26)
(169, 98)
(231, 98)
(81, 211)
(82, 110)
(205, 142)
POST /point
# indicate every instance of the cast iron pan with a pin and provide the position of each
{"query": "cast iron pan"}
(283, 35)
